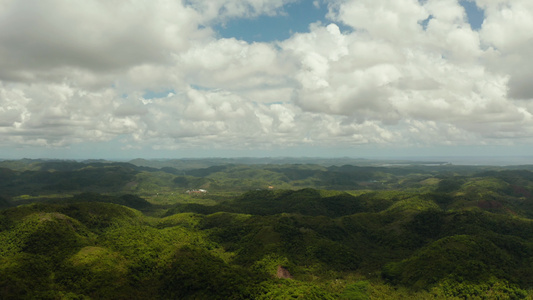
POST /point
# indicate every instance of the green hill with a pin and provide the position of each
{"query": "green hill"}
(104, 230)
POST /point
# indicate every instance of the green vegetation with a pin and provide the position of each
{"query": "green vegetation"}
(106, 230)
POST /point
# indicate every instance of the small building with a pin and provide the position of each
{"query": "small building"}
(196, 192)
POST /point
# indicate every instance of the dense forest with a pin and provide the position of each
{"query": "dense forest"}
(264, 229)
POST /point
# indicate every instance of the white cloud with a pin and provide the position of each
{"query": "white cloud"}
(235, 65)
(222, 10)
(390, 20)
(392, 70)
(81, 73)
(90, 43)
(508, 28)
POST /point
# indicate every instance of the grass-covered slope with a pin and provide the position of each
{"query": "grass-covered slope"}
(95, 250)
(411, 232)
(268, 202)
(107, 251)
(103, 250)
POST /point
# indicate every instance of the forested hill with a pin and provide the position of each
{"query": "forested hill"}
(42, 177)
(108, 230)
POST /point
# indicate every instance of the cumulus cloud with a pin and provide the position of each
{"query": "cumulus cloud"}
(395, 71)
(508, 30)
(235, 65)
(91, 42)
(374, 76)
(220, 11)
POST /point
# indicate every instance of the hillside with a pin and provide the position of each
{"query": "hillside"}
(84, 230)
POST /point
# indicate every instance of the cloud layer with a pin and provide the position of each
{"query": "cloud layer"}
(155, 73)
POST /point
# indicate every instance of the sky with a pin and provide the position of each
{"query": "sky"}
(234, 78)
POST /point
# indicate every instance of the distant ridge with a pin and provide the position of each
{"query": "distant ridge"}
(194, 163)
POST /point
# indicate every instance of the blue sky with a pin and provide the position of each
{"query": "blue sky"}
(297, 17)
(228, 78)
(475, 14)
